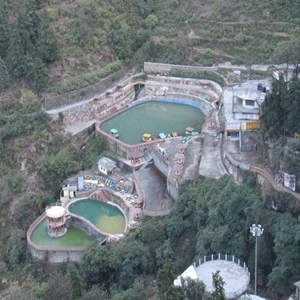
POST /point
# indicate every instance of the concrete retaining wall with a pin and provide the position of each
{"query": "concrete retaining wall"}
(84, 93)
(88, 227)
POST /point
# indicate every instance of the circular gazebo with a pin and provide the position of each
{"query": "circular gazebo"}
(56, 220)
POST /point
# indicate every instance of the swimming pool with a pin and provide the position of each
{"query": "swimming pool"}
(108, 218)
(154, 117)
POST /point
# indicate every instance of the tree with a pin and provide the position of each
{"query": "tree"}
(59, 287)
(47, 46)
(20, 58)
(273, 110)
(58, 168)
(286, 248)
(165, 280)
(151, 21)
(40, 76)
(193, 289)
(15, 249)
(96, 292)
(135, 257)
(289, 53)
(218, 283)
(100, 265)
(293, 108)
(29, 101)
(4, 29)
(31, 20)
(4, 76)
(291, 157)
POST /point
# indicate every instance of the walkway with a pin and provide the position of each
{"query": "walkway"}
(155, 190)
(211, 164)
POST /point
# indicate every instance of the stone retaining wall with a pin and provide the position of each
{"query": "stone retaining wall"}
(161, 68)
(84, 93)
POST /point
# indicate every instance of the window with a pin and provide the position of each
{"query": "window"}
(249, 102)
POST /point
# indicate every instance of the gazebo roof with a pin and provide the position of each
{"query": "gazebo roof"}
(55, 211)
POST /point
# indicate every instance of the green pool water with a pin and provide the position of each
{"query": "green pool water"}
(74, 237)
(106, 217)
(154, 117)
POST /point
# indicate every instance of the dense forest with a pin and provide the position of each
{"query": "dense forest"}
(55, 46)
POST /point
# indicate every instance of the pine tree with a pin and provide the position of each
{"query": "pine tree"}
(293, 109)
(273, 114)
(40, 75)
(4, 77)
(47, 44)
(4, 28)
(31, 20)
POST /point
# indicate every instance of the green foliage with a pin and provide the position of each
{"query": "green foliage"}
(135, 258)
(40, 76)
(218, 283)
(47, 46)
(56, 169)
(291, 158)
(15, 249)
(281, 108)
(151, 21)
(272, 119)
(88, 79)
(166, 289)
(17, 124)
(16, 183)
(108, 257)
(4, 30)
(29, 101)
(4, 76)
(96, 292)
(91, 152)
(286, 244)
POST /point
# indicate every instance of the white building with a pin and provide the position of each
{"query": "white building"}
(242, 107)
(106, 165)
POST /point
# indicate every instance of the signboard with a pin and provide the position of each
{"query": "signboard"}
(232, 125)
(289, 181)
(252, 125)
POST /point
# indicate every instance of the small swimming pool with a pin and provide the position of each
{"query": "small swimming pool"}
(74, 237)
(108, 218)
(154, 117)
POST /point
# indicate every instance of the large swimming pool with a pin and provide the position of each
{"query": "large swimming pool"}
(154, 117)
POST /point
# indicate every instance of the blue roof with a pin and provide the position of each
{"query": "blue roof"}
(114, 130)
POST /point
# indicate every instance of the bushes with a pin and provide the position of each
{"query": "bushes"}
(86, 79)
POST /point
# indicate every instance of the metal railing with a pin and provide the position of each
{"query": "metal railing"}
(229, 258)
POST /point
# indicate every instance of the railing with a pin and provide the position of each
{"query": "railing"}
(229, 258)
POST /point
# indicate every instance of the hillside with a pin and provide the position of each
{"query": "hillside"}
(54, 46)
(78, 42)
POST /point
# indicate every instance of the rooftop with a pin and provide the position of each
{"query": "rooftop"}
(107, 163)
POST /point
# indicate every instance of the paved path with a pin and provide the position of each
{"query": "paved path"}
(155, 189)
(211, 164)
